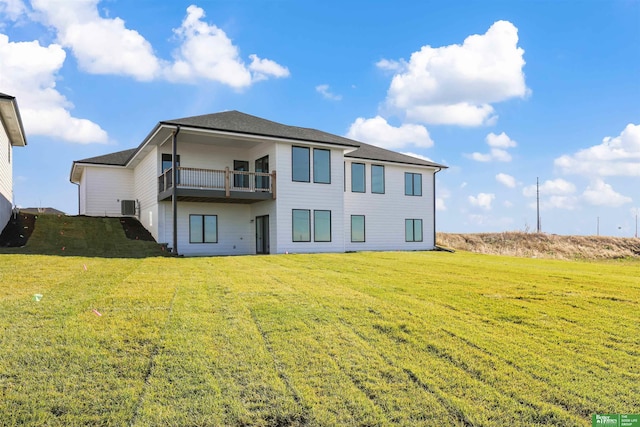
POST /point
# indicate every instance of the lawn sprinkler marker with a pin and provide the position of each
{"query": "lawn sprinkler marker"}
(37, 297)
(97, 313)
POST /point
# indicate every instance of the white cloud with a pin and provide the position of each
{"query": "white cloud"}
(327, 94)
(506, 180)
(442, 194)
(599, 193)
(498, 152)
(207, 53)
(482, 200)
(507, 204)
(616, 156)
(391, 65)
(378, 132)
(106, 46)
(13, 9)
(101, 45)
(556, 187)
(263, 68)
(28, 71)
(500, 141)
(457, 84)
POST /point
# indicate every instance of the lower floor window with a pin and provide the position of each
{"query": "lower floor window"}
(301, 225)
(357, 228)
(203, 228)
(321, 226)
(413, 230)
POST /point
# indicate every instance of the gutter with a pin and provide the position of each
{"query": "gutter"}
(174, 188)
(434, 207)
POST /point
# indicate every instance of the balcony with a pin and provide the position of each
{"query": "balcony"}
(217, 186)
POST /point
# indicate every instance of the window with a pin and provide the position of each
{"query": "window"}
(241, 180)
(413, 230)
(301, 230)
(321, 166)
(357, 178)
(321, 226)
(203, 228)
(167, 163)
(300, 164)
(377, 179)
(357, 228)
(412, 184)
(262, 166)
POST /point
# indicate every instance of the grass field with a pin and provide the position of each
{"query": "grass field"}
(338, 339)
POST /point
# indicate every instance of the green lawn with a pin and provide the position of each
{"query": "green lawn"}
(338, 339)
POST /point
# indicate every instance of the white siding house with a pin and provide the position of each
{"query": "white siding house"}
(240, 184)
(11, 135)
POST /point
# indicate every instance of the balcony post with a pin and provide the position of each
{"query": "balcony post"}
(273, 184)
(227, 182)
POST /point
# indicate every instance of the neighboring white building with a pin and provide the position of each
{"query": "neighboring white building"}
(11, 135)
(247, 185)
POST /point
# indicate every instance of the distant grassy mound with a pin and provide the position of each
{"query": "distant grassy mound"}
(79, 236)
(542, 245)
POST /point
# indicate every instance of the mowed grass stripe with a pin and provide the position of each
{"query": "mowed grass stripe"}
(334, 339)
(395, 325)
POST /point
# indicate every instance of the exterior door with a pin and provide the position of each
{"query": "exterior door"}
(262, 234)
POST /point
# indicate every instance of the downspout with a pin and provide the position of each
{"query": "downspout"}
(434, 207)
(174, 192)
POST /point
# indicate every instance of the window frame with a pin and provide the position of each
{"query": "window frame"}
(411, 191)
(315, 221)
(413, 222)
(315, 168)
(364, 177)
(375, 167)
(204, 229)
(364, 229)
(294, 148)
(293, 217)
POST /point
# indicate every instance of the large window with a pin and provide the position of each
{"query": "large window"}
(321, 226)
(321, 166)
(377, 179)
(357, 178)
(357, 228)
(203, 228)
(167, 163)
(412, 184)
(300, 164)
(413, 230)
(262, 166)
(301, 229)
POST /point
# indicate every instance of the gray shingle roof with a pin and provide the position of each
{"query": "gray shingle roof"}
(235, 121)
(371, 152)
(119, 158)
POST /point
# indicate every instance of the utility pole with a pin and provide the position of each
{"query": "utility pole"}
(538, 203)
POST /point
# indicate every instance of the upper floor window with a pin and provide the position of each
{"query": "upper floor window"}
(412, 184)
(300, 164)
(167, 162)
(241, 180)
(321, 166)
(358, 184)
(377, 179)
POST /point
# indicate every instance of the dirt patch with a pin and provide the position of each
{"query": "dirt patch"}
(134, 230)
(18, 230)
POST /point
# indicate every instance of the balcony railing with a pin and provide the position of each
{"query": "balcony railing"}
(222, 180)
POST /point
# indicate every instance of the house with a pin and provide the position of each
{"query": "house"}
(11, 135)
(232, 183)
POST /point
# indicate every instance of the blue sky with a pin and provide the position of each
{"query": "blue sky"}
(502, 92)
